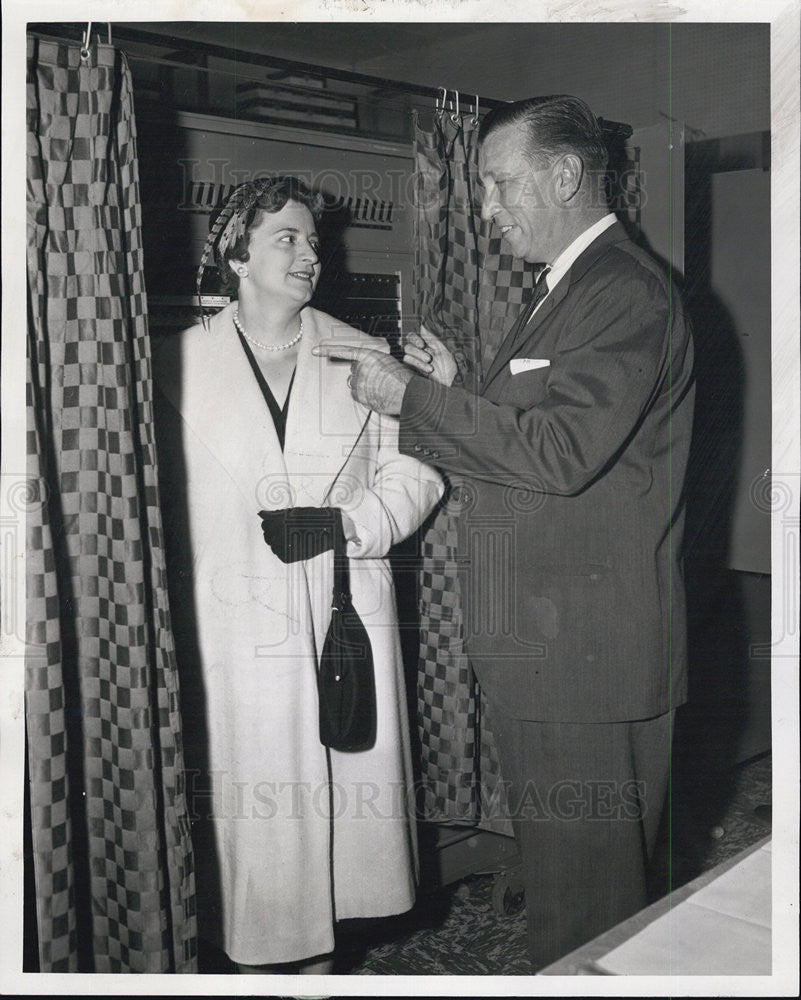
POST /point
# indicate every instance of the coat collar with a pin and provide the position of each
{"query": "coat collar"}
(207, 378)
(614, 234)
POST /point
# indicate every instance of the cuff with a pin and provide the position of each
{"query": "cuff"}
(421, 414)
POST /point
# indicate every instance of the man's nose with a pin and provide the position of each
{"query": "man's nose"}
(489, 204)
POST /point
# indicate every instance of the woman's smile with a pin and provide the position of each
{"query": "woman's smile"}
(283, 253)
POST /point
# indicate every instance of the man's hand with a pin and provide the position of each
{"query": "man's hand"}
(376, 379)
(426, 353)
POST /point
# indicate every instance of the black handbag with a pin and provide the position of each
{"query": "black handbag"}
(346, 679)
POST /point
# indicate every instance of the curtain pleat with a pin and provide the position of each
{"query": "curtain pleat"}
(112, 855)
(468, 293)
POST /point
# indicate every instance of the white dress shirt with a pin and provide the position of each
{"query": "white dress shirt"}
(568, 256)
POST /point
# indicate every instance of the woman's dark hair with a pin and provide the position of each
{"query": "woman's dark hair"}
(267, 194)
(552, 126)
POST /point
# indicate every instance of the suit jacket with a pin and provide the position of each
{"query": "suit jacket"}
(569, 495)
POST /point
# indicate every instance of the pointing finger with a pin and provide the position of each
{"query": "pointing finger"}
(335, 349)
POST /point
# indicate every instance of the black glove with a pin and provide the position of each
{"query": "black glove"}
(300, 532)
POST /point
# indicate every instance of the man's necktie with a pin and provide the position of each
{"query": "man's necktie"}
(538, 293)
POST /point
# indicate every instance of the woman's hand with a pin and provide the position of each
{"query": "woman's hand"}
(296, 533)
(426, 353)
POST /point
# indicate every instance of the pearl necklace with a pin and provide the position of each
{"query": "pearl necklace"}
(267, 347)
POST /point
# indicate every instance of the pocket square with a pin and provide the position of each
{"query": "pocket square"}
(517, 365)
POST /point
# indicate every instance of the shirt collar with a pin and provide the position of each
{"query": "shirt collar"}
(571, 253)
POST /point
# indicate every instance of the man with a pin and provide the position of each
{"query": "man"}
(571, 459)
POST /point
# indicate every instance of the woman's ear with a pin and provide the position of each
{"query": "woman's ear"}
(569, 175)
(239, 267)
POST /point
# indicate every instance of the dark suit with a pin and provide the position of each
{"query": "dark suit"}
(570, 532)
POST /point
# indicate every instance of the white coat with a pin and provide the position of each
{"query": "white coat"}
(299, 837)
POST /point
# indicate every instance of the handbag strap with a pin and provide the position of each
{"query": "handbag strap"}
(341, 592)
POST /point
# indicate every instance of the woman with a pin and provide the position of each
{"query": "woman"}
(289, 836)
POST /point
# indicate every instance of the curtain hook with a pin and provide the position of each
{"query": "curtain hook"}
(455, 115)
(443, 96)
(475, 112)
(85, 45)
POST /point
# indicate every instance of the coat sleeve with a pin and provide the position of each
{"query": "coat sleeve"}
(614, 360)
(401, 494)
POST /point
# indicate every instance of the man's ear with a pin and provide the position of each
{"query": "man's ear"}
(568, 176)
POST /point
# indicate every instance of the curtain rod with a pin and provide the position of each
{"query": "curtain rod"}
(255, 58)
(122, 34)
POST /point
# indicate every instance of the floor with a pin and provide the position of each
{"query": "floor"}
(457, 931)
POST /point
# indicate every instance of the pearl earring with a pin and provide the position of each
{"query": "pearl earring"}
(242, 272)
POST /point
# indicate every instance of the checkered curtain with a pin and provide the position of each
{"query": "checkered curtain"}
(112, 860)
(469, 293)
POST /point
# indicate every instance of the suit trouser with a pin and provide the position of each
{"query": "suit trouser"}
(585, 802)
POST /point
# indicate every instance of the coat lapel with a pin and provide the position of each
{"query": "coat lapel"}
(511, 344)
(207, 378)
(324, 422)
